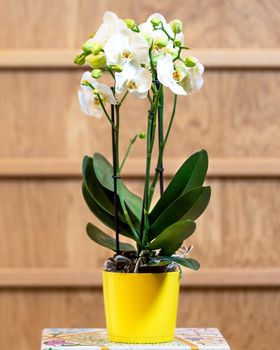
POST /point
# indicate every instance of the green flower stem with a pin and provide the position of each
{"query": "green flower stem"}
(174, 41)
(149, 98)
(101, 103)
(117, 131)
(112, 74)
(115, 137)
(150, 143)
(160, 154)
(118, 168)
(104, 110)
(171, 118)
(151, 62)
(178, 54)
(159, 168)
(123, 98)
(162, 28)
(131, 142)
(126, 215)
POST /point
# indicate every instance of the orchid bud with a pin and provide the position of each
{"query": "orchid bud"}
(142, 135)
(130, 23)
(96, 73)
(177, 42)
(90, 47)
(116, 68)
(147, 37)
(161, 42)
(87, 46)
(96, 48)
(96, 61)
(190, 61)
(176, 25)
(155, 21)
(80, 59)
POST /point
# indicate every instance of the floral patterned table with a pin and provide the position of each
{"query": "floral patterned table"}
(96, 339)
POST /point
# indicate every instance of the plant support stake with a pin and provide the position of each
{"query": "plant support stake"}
(115, 178)
(160, 169)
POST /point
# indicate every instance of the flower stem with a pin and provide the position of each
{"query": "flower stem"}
(101, 104)
(171, 118)
(160, 153)
(117, 178)
(123, 98)
(131, 142)
(150, 143)
(127, 217)
(115, 152)
(159, 168)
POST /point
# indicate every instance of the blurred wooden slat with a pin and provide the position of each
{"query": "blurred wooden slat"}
(215, 277)
(71, 168)
(248, 318)
(42, 224)
(220, 119)
(211, 58)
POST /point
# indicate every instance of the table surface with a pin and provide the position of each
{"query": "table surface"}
(96, 339)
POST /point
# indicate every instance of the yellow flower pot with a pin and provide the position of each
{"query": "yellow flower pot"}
(141, 307)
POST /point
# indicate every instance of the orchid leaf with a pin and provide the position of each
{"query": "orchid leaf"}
(100, 237)
(170, 240)
(189, 206)
(103, 216)
(172, 249)
(96, 190)
(188, 262)
(104, 173)
(190, 175)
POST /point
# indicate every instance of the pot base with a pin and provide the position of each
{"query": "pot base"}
(140, 340)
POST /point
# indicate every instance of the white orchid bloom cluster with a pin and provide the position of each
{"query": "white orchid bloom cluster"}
(139, 58)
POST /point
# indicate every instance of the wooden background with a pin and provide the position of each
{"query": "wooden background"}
(48, 266)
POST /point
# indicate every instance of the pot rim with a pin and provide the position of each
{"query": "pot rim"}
(140, 274)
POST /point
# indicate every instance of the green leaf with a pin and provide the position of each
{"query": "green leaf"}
(104, 172)
(172, 236)
(106, 241)
(172, 249)
(189, 262)
(190, 175)
(103, 216)
(189, 206)
(96, 190)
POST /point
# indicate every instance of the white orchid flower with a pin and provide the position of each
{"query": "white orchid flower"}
(126, 46)
(110, 26)
(147, 29)
(88, 98)
(169, 76)
(193, 80)
(136, 80)
(177, 77)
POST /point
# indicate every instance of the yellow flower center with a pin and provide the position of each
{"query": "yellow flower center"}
(132, 85)
(127, 55)
(97, 102)
(177, 75)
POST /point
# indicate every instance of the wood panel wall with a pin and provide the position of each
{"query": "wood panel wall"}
(48, 267)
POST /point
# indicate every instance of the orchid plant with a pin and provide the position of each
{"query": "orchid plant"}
(142, 60)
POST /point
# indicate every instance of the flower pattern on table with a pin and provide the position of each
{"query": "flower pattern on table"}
(96, 339)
